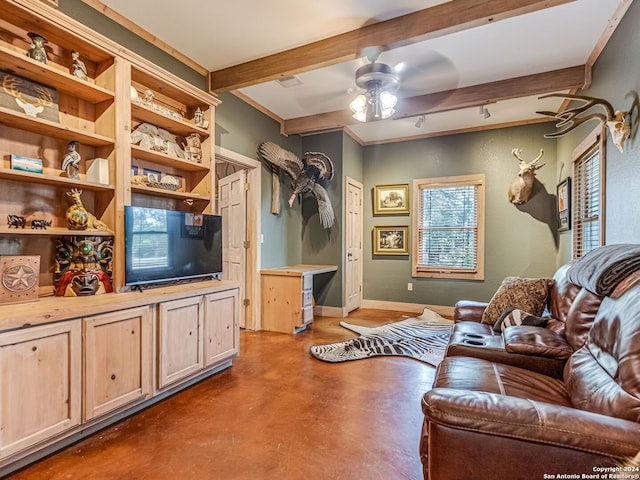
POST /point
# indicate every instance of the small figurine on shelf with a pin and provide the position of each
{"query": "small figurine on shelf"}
(78, 69)
(148, 97)
(198, 117)
(193, 148)
(36, 49)
(40, 224)
(71, 160)
(16, 221)
(79, 218)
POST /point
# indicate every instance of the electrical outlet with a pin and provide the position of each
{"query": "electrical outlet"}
(261, 238)
(410, 286)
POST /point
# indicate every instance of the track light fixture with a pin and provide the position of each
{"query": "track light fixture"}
(419, 121)
(484, 111)
(378, 102)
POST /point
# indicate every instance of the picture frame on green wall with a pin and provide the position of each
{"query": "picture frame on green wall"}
(564, 205)
(391, 240)
(391, 199)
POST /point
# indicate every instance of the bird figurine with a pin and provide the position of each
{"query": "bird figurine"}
(304, 174)
(71, 160)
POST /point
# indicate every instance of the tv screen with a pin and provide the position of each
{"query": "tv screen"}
(164, 245)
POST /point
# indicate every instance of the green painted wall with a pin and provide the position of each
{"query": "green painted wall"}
(616, 78)
(241, 128)
(519, 240)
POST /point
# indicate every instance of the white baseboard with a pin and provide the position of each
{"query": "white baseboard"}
(325, 311)
(443, 310)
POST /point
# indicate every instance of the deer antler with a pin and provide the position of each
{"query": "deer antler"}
(518, 152)
(9, 85)
(568, 119)
(45, 98)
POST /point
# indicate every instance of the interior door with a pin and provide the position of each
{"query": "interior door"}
(353, 268)
(232, 205)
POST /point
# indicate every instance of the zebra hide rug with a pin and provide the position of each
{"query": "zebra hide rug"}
(423, 338)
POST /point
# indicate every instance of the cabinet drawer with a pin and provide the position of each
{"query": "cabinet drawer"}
(307, 298)
(307, 315)
(307, 282)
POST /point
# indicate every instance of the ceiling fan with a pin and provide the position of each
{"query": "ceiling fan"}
(380, 83)
(383, 85)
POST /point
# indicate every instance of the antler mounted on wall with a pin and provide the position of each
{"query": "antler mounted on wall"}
(569, 119)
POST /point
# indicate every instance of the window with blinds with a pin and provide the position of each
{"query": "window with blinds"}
(449, 227)
(150, 240)
(587, 196)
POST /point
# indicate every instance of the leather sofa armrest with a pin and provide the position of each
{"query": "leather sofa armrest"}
(528, 420)
(468, 311)
(537, 341)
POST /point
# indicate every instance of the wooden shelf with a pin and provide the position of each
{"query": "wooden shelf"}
(175, 126)
(55, 231)
(161, 192)
(41, 126)
(62, 81)
(21, 176)
(164, 159)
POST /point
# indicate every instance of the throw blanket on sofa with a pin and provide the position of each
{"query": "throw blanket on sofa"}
(600, 270)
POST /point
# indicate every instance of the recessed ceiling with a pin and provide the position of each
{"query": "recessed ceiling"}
(225, 33)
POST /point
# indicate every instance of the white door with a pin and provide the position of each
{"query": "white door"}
(232, 205)
(353, 269)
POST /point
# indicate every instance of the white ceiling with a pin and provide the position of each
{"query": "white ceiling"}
(224, 33)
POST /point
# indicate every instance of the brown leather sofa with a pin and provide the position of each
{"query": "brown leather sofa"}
(559, 400)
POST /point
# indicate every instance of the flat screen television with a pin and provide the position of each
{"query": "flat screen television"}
(168, 245)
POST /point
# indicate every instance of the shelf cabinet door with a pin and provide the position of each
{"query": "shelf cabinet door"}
(221, 327)
(118, 360)
(180, 339)
(40, 384)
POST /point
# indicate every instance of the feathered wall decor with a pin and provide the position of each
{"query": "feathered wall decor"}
(304, 175)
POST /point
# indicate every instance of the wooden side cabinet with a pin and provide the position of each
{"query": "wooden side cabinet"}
(40, 384)
(287, 296)
(179, 339)
(221, 327)
(118, 361)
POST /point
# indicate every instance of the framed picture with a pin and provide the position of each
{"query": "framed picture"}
(393, 240)
(391, 199)
(564, 205)
(153, 176)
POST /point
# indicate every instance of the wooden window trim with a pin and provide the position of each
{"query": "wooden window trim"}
(596, 139)
(449, 273)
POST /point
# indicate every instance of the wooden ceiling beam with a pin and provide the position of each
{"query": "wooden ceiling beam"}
(443, 19)
(537, 84)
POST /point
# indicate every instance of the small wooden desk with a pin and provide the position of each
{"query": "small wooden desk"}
(287, 296)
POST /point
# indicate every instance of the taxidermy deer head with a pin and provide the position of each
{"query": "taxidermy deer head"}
(520, 188)
(568, 119)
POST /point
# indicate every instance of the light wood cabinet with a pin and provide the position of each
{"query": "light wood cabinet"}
(179, 340)
(221, 326)
(40, 386)
(287, 296)
(118, 360)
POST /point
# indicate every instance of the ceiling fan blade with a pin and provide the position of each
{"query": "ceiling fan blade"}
(427, 72)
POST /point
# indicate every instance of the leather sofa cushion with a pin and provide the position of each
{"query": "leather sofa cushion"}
(580, 317)
(463, 373)
(468, 310)
(528, 294)
(529, 340)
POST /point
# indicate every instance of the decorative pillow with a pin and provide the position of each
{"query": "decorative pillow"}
(514, 316)
(528, 294)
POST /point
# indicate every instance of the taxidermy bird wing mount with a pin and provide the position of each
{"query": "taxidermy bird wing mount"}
(304, 175)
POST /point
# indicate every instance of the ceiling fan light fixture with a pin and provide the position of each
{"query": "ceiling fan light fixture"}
(379, 101)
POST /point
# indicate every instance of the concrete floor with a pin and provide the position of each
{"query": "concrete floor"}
(277, 413)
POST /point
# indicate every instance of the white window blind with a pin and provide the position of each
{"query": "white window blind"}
(587, 203)
(150, 245)
(448, 229)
